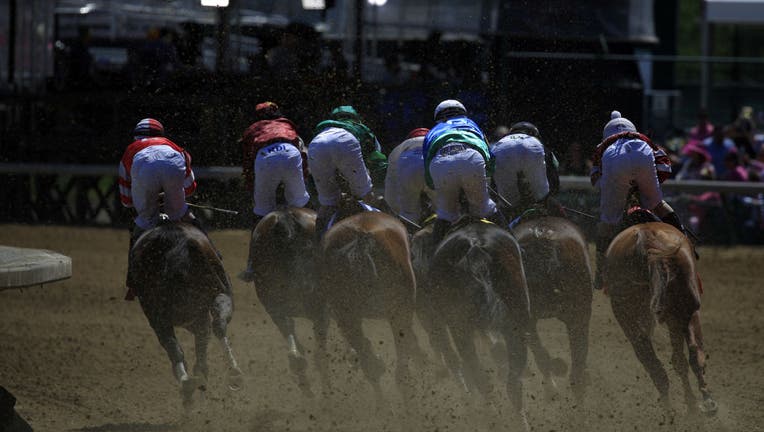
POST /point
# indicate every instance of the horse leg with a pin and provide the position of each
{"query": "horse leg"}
(166, 335)
(678, 333)
(317, 312)
(463, 332)
(406, 345)
(578, 338)
(437, 335)
(285, 323)
(222, 311)
(544, 361)
(517, 350)
(350, 325)
(698, 359)
(201, 331)
(637, 322)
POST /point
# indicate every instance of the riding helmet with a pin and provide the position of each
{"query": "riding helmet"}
(449, 108)
(617, 124)
(148, 127)
(526, 128)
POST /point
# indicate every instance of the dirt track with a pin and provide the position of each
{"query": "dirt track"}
(78, 357)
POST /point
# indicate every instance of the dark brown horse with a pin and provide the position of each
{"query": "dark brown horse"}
(282, 248)
(476, 282)
(556, 260)
(180, 282)
(650, 276)
(365, 272)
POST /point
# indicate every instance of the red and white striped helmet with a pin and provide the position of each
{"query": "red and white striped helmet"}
(148, 127)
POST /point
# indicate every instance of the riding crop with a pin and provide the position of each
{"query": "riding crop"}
(234, 212)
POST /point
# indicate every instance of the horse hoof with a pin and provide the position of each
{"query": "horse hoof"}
(187, 388)
(235, 379)
(246, 276)
(709, 407)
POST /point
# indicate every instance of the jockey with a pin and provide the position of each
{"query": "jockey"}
(457, 159)
(626, 158)
(272, 155)
(151, 166)
(404, 183)
(344, 145)
(526, 170)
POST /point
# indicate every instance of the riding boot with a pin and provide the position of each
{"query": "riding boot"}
(324, 216)
(602, 243)
(439, 229)
(673, 220)
(498, 218)
(248, 275)
(554, 208)
(135, 233)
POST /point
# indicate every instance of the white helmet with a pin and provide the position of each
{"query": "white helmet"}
(449, 108)
(617, 124)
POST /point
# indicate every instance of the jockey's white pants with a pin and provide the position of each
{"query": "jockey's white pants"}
(454, 168)
(161, 169)
(405, 180)
(275, 164)
(624, 163)
(337, 150)
(520, 156)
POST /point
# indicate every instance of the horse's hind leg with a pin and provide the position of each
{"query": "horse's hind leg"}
(637, 320)
(285, 323)
(678, 333)
(698, 362)
(350, 325)
(578, 337)
(544, 361)
(222, 311)
(201, 331)
(318, 313)
(166, 335)
(406, 344)
(462, 332)
(517, 349)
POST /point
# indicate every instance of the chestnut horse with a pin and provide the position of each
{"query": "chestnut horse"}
(283, 270)
(365, 271)
(180, 282)
(476, 282)
(650, 276)
(557, 267)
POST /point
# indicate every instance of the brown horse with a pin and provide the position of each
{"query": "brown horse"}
(365, 272)
(556, 260)
(180, 282)
(283, 271)
(650, 276)
(476, 282)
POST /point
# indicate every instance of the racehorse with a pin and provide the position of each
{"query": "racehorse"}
(365, 272)
(180, 282)
(650, 276)
(283, 268)
(476, 282)
(556, 262)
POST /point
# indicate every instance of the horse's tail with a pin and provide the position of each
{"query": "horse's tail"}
(358, 254)
(660, 255)
(477, 264)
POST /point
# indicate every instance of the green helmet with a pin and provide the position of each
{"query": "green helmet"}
(345, 112)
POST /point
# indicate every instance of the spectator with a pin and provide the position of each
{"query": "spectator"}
(703, 129)
(697, 165)
(734, 171)
(718, 145)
